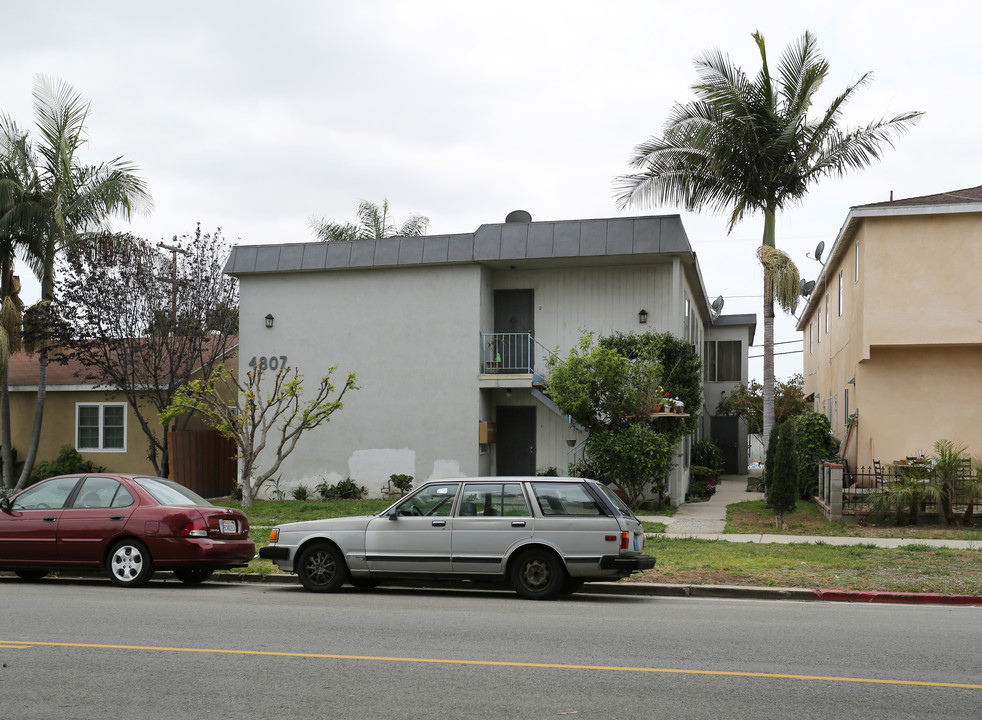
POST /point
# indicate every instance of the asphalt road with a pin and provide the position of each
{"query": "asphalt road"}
(86, 649)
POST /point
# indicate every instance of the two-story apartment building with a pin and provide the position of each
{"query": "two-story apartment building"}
(448, 335)
(893, 331)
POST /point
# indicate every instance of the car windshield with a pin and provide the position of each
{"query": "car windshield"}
(168, 492)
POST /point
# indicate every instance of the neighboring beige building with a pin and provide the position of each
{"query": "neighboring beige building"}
(98, 423)
(893, 328)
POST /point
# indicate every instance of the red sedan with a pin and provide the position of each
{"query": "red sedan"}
(129, 525)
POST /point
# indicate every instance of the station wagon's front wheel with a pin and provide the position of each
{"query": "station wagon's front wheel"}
(537, 574)
(321, 568)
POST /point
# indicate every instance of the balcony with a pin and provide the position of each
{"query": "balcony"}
(512, 359)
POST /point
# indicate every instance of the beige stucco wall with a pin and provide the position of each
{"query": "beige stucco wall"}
(909, 331)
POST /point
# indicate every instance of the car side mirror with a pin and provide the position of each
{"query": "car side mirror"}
(393, 514)
(5, 504)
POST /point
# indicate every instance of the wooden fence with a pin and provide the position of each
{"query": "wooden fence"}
(202, 460)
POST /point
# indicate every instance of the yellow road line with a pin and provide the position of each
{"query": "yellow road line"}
(495, 663)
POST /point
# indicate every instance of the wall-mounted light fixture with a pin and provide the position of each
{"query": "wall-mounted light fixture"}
(643, 317)
(269, 320)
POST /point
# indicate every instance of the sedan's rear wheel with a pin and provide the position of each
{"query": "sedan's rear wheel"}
(30, 574)
(193, 576)
(130, 564)
(321, 568)
(537, 574)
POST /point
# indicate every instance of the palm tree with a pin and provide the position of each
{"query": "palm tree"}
(373, 224)
(745, 146)
(60, 200)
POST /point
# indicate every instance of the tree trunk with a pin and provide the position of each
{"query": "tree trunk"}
(768, 389)
(32, 451)
(7, 449)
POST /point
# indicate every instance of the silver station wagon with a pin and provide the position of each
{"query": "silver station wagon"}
(544, 536)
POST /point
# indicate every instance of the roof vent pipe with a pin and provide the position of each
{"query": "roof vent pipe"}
(518, 216)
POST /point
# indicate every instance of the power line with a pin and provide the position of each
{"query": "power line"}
(789, 352)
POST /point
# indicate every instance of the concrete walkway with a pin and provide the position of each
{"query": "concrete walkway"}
(707, 520)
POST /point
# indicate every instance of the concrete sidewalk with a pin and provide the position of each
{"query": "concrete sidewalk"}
(707, 520)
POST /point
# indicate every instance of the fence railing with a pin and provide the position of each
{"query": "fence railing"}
(846, 491)
(507, 353)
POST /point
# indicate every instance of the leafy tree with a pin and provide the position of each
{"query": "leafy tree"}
(143, 323)
(373, 224)
(259, 418)
(609, 387)
(56, 201)
(749, 145)
(747, 402)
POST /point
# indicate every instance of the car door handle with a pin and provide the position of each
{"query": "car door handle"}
(117, 517)
(51, 518)
(439, 523)
(518, 523)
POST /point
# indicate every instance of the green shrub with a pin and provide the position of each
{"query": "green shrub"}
(783, 489)
(346, 489)
(236, 493)
(300, 492)
(67, 463)
(813, 442)
(401, 482)
(702, 483)
(548, 472)
(706, 453)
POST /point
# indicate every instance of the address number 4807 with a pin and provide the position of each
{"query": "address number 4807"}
(273, 362)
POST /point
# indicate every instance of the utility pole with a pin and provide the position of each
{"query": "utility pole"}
(174, 249)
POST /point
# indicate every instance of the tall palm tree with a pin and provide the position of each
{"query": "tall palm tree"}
(745, 146)
(61, 200)
(373, 224)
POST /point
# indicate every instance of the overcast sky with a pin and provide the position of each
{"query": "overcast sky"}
(253, 117)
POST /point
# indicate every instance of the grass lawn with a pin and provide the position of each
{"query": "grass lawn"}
(915, 568)
(751, 517)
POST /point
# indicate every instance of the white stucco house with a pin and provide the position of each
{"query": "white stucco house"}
(448, 335)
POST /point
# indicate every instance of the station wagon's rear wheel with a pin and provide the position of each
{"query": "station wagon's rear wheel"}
(321, 568)
(537, 574)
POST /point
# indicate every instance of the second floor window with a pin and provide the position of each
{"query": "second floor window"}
(723, 361)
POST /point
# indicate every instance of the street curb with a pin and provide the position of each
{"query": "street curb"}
(745, 592)
(895, 597)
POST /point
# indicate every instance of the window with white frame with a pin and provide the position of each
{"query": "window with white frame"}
(841, 281)
(826, 313)
(856, 271)
(100, 426)
(819, 316)
(811, 346)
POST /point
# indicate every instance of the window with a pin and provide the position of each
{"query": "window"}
(100, 492)
(723, 361)
(840, 291)
(826, 313)
(819, 315)
(856, 271)
(50, 495)
(100, 426)
(493, 499)
(566, 499)
(811, 346)
(436, 500)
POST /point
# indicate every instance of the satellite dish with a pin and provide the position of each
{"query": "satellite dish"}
(819, 249)
(807, 287)
(717, 307)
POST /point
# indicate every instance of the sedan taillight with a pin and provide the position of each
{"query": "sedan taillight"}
(625, 540)
(195, 528)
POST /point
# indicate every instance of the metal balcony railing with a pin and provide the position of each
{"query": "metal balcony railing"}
(507, 353)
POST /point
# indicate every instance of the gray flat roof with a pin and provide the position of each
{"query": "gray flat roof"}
(520, 242)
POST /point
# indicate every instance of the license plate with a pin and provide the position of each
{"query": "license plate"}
(229, 527)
